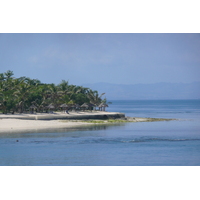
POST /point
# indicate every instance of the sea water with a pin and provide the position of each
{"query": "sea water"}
(164, 143)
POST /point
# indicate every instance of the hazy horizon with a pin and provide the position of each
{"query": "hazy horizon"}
(156, 91)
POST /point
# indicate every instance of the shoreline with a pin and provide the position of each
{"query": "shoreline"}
(40, 122)
(61, 115)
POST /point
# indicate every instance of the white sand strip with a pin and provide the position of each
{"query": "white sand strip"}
(13, 125)
(41, 121)
(35, 122)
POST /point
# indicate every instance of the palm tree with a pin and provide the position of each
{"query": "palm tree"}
(94, 97)
(8, 74)
(22, 94)
(53, 94)
(64, 87)
(3, 103)
(2, 77)
(7, 86)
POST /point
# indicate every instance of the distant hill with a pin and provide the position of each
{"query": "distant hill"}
(148, 91)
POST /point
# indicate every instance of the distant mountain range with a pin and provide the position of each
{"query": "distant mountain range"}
(148, 91)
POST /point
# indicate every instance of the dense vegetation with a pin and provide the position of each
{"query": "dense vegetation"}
(19, 94)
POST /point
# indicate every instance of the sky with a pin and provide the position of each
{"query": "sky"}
(119, 58)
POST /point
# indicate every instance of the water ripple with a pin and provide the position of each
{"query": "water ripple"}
(136, 140)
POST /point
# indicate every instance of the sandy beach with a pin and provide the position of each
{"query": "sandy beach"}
(35, 122)
(47, 121)
(16, 125)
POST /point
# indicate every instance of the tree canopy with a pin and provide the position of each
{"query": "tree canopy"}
(19, 94)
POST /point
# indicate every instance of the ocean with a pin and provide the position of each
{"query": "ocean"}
(163, 143)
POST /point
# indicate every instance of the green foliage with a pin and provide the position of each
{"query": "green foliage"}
(18, 94)
(81, 98)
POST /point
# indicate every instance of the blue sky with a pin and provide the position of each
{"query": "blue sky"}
(123, 58)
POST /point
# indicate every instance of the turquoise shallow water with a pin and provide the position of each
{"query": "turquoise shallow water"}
(167, 143)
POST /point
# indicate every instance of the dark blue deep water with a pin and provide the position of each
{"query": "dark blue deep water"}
(166, 143)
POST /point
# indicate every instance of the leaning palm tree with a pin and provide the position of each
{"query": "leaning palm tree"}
(94, 97)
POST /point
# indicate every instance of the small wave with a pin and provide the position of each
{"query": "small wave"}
(137, 140)
(44, 142)
(162, 140)
(128, 141)
(115, 140)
